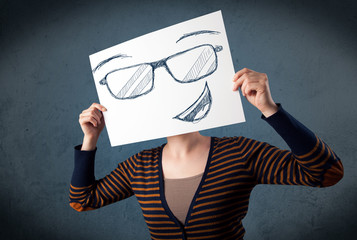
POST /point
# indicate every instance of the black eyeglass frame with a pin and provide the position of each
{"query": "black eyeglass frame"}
(162, 63)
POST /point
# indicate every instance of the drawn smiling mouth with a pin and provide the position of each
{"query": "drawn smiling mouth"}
(199, 109)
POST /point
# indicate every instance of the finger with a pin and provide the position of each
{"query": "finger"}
(252, 87)
(244, 85)
(240, 73)
(88, 119)
(93, 113)
(92, 110)
(97, 114)
(85, 120)
(247, 81)
(240, 81)
(99, 107)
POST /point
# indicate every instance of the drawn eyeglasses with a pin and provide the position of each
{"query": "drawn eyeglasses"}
(187, 66)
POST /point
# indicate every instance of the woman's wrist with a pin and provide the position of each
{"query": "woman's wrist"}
(89, 143)
(270, 110)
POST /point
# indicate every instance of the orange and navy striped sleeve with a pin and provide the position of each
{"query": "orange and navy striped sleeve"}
(311, 162)
(86, 193)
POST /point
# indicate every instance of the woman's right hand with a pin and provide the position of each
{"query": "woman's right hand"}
(92, 124)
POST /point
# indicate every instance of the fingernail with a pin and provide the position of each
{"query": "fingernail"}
(104, 109)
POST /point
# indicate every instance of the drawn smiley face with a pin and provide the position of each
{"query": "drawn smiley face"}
(190, 65)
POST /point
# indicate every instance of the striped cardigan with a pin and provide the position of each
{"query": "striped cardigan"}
(234, 166)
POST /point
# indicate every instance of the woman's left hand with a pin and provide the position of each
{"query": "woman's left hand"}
(255, 88)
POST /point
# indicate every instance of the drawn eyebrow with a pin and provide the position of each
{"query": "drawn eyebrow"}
(197, 33)
(109, 59)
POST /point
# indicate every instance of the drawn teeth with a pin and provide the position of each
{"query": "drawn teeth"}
(199, 109)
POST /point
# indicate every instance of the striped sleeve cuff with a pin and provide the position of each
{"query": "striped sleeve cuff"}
(298, 137)
(83, 173)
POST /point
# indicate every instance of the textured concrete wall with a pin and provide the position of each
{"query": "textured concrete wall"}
(307, 48)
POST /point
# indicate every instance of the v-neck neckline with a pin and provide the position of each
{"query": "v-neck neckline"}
(162, 189)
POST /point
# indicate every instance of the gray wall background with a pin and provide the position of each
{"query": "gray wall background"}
(307, 48)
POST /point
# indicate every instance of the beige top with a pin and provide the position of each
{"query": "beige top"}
(179, 193)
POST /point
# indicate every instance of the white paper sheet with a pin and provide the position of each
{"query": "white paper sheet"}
(172, 81)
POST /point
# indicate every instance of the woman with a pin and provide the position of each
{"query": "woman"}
(198, 187)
